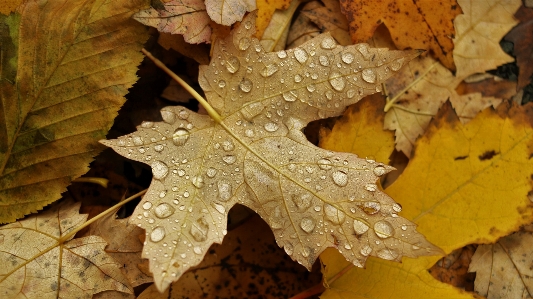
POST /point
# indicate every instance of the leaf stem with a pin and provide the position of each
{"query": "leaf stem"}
(87, 223)
(214, 115)
(99, 181)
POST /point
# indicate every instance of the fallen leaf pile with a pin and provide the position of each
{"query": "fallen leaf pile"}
(274, 154)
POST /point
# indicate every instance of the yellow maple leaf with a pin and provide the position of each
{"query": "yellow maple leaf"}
(465, 184)
(63, 81)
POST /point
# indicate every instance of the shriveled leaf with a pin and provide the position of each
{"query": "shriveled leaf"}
(478, 33)
(522, 38)
(266, 10)
(413, 24)
(465, 184)
(360, 130)
(61, 89)
(503, 270)
(255, 154)
(329, 18)
(227, 12)
(38, 263)
(247, 263)
(186, 17)
(124, 245)
(416, 94)
(275, 34)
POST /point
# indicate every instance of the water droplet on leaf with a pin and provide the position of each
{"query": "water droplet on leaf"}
(163, 210)
(383, 229)
(340, 178)
(369, 75)
(180, 136)
(157, 234)
(360, 227)
(159, 170)
(300, 55)
(307, 225)
(245, 85)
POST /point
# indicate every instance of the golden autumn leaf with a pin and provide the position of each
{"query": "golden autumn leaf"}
(66, 68)
(360, 131)
(412, 24)
(465, 184)
(252, 151)
(247, 264)
(478, 33)
(55, 265)
(503, 269)
(8, 6)
(266, 10)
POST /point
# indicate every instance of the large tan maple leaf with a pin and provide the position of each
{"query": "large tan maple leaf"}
(252, 151)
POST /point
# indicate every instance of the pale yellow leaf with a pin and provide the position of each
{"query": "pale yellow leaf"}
(275, 36)
(227, 12)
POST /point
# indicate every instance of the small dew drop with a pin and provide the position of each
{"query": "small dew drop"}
(366, 250)
(245, 85)
(307, 225)
(288, 249)
(229, 159)
(221, 83)
(197, 250)
(180, 136)
(397, 207)
(387, 254)
(282, 54)
(290, 96)
(269, 70)
(220, 208)
(337, 81)
(324, 164)
(211, 172)
(369, 75)
(271, 127)
(333, 214)
(147, 205)
(157, 234)
(158, 148)
(340, 178)
(311, 87)
(163, 210)
(347, 57)
(324, 61)
(224, 190)
(233, 64)
(138, 140)
(383, 229)
(298, 78)
(183, 114)
(199, 229)
(397, 64)
(360, 227)
(379, 170)
(404, 227)
(159, 170)
(228, 145)
(371, 187)
(328, 43)
(168, 116)
(371, 207)
(300, 55)
(198, 181)
(244, 43)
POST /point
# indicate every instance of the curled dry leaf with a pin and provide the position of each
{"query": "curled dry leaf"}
(253, 152)
(66, 66)
(482, 166)
(413, 24)
(302, 29)
(38, 262)
(186, 17)
(479, 31)
(328, 17)
(503, 270)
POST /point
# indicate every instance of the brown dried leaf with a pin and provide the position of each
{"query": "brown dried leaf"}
(123, 246)
(38, 263)
(253, 152)
(227, 12)
(522, 38)
(246, 264)
(275, 34)
(302, 29)
(503, 269)
(328, 17)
